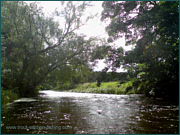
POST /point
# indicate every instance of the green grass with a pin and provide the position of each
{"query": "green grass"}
(8, 96)
(106, 88)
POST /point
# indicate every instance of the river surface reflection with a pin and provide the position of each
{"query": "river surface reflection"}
(82, 113)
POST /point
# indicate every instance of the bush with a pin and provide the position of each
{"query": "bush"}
(8, 96)
(65, 86)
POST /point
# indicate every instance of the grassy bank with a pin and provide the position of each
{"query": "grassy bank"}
(8, 96)
(106, 88)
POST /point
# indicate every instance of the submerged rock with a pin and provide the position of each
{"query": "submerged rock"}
(25, 100)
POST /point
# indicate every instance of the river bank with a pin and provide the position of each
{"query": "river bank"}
(8, 96)
(105, 88)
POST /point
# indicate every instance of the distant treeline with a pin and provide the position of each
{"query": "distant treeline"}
(108, 76)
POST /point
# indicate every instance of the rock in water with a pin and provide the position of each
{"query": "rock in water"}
(25, 100)
(99, 111)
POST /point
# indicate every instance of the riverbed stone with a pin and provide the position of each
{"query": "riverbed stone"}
(25, 100)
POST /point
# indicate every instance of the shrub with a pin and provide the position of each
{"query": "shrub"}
(8, 96)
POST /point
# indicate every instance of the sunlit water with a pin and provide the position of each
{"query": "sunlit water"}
(81, 113)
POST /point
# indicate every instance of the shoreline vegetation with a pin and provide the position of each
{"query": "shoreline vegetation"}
(105, 88)
(8, 96)
(113, 87)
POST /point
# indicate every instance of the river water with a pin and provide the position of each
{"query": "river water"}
(81, 113)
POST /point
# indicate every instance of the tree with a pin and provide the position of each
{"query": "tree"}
(34, 46)
(153, 28)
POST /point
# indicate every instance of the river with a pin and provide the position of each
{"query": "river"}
(84, 113)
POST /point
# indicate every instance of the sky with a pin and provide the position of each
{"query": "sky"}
(94, 27)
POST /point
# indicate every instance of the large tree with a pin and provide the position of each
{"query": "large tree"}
(34, 46)
(153, 28)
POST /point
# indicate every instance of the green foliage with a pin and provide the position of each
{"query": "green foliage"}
(153, 28)
(65, 86)
(99, 82)
(36, 49)
(86, 85)
(8, 96)
(105, 88)
(109, 84)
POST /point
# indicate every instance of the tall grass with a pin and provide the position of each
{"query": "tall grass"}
(8, 96)
(106, 88)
